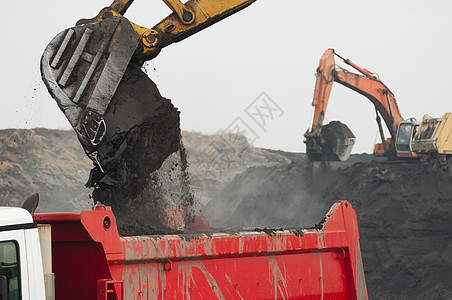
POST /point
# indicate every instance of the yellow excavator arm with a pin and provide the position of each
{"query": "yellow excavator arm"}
(187, 19)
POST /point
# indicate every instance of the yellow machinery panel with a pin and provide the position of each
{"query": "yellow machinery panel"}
(434, 135)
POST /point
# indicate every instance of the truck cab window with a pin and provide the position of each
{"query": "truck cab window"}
(9, 271)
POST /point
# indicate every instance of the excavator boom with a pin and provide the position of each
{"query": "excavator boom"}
(366, 84)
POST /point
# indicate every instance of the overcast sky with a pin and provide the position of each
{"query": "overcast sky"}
(216, 76)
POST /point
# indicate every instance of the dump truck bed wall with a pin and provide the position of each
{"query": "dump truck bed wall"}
(434, 135)
(91, 261)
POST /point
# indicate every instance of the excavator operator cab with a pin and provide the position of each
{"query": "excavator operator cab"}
(405, 133)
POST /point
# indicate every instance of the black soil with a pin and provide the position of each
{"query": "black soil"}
(333, 135)
(142, 133)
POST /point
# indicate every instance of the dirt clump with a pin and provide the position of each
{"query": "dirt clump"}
(337, 141)
(141, 155)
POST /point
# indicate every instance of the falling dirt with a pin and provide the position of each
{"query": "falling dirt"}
(143, 160)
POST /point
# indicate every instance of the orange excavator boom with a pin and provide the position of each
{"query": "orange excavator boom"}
(367, 84)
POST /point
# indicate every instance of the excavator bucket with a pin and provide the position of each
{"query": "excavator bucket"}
(334, 143)
(82, 68)
(123, 123)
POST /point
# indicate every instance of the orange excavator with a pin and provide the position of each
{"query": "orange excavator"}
(369, 85)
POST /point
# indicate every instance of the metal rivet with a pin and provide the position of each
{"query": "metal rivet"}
(187, 16)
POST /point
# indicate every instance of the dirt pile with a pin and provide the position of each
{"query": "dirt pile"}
(51, 162)
(404, 213)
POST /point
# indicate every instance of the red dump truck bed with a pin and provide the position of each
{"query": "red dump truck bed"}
(91, 261)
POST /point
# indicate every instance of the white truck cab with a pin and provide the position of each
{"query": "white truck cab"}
(21, 267)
